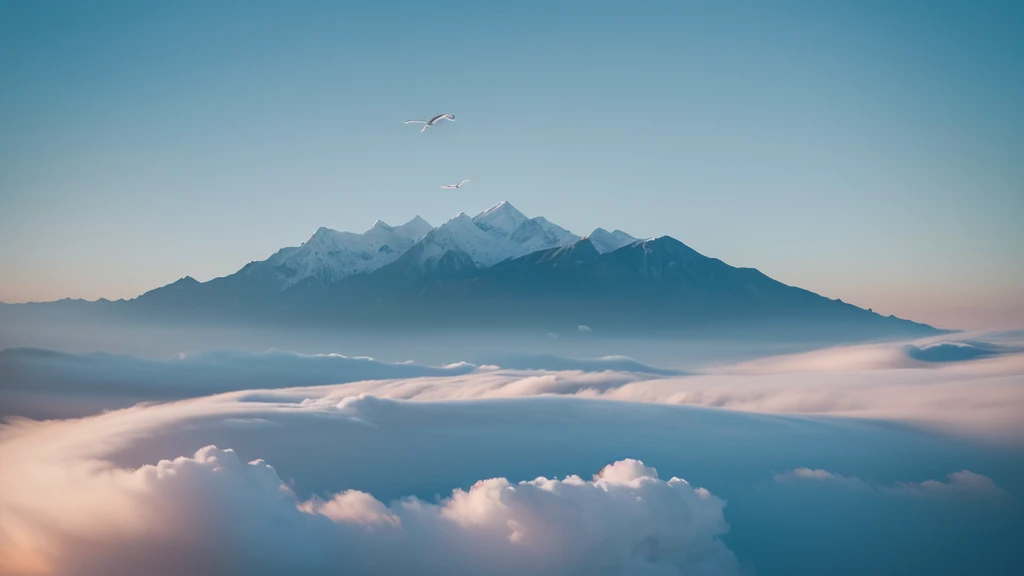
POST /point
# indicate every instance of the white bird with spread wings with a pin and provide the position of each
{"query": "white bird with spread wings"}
(454, 186)
(433, 121)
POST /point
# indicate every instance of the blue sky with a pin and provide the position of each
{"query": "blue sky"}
(871, 151)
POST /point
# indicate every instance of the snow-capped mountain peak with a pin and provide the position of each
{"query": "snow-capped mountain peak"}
(414, 229)
(502, 219)
(380, 225)
(496, 234)
(540, 234)
(330, 255)
(461, 235)
(319, 234)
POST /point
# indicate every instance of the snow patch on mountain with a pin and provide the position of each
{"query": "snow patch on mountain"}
(330, 255)
(412, 230)
(461, 235)
(497, 234)
(500, 220)
(540, 234)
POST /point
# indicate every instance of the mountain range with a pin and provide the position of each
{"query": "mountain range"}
(501, 269)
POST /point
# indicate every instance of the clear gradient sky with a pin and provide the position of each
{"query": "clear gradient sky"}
(870, 151)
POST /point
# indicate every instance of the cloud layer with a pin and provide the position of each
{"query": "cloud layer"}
(84, 496)
(968, 386)
(48, 384)
(982, 398)
(552, 362)
(210, 513)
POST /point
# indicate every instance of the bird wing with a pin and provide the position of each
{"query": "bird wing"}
(439, 117)
(459, 185)
(449, 187)
(415, 122)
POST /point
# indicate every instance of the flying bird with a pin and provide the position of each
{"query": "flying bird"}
(433, 121)
(454, 186)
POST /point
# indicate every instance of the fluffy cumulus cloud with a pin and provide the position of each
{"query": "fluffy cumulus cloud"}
(211, 513)
(957, 486)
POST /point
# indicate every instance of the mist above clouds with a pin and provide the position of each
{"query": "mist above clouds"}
(552, 362)
(205, 373)
(47, 384)
(979, 392)
(933, 352)
(981, 398)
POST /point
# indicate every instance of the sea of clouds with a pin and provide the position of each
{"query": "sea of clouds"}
(95, 495)
(964, 385)
(327, 464)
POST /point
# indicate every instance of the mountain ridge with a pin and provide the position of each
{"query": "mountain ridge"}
(502, 268)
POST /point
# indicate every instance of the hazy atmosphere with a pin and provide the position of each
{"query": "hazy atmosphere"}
(549, 288)
(869, 152)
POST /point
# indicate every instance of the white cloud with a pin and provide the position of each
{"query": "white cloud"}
(210, 513)
(552, 362)
(47, 384)
(821, 476)
(962, 484)
(958, 485)
(74, 499)
(352, 507)
(981, 397)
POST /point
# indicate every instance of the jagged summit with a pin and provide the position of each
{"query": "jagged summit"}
(415, 228)
(320, 232)
(379, 225)
(496, 234)
(502, 219)
(606, 241)
(412, 230)
(511, 269)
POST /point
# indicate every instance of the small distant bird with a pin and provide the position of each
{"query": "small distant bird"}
(433, 121)
(454, 186)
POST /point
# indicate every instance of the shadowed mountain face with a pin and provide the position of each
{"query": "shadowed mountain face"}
(483, 273)
(659, 284)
